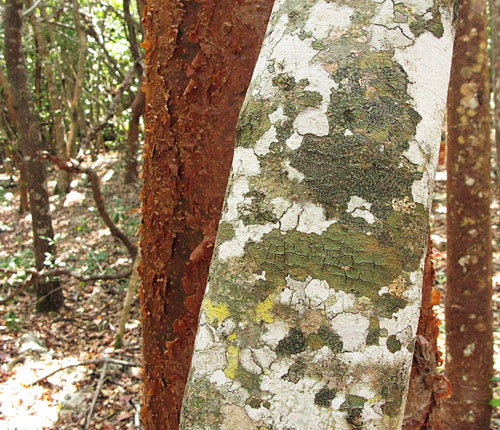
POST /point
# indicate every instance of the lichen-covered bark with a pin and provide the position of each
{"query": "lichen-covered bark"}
(48, 292)
(311, 311)
(427, 385)
(200, 56)
(468, 310)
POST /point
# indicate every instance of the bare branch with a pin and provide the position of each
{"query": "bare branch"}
(72, 167)
(105, 360)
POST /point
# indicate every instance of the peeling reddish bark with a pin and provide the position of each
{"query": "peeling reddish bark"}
(469, 333)
(200, 57)
(427, 387)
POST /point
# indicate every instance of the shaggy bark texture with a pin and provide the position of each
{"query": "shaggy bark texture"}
(200, 56)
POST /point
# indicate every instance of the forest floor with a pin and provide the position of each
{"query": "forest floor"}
(32, 345)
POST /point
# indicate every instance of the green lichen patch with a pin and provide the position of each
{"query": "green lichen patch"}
(393, 344)
(347, 260)
(201, 406)
(324, 397)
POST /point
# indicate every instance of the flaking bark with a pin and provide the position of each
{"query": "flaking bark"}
(200, 56)
(311, 311)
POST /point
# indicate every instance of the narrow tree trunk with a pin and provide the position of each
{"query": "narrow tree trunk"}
(311, 312)
(137, 109)
(75, 112)
(11, 130)
(56, 106)
(200, 57)
(495, 67)
(31, 147)
(468, 310)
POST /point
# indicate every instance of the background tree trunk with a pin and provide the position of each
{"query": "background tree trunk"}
(49, 294)
(495, 67)
(56, 106)
(200, 56)
(136, 111)
(469, 337)
(313, 301)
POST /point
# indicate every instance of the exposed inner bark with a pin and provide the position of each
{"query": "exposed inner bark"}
(200, 57)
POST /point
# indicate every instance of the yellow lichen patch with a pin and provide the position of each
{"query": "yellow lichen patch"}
(232, 337)
(216, 313)
(263, 311)
(232, 355)
(375, 399)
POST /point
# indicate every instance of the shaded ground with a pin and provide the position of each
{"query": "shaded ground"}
(31, 345)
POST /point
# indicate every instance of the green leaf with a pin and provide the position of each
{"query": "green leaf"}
(495, 402)
(495, 379)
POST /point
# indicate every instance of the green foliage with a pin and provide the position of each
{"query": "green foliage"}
(495, 403)
(107, 60)
(94, 260)
(13, 321)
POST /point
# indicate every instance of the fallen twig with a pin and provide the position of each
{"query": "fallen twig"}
(96, 395)
(37, 276)
(105, 360)
(72, 167)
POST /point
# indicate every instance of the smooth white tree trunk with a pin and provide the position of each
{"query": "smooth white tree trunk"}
(312, 306)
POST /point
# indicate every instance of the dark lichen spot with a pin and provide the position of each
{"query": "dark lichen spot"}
(294, 343)
(331, 339)
(295, 372)
(324, 397)
(393, 344)
(354, 408)
(372, 102)
(373, 332)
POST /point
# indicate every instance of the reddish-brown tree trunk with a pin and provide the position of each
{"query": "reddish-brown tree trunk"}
(427, 387)
(469, 343)
(200, 57)
(48, 292)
